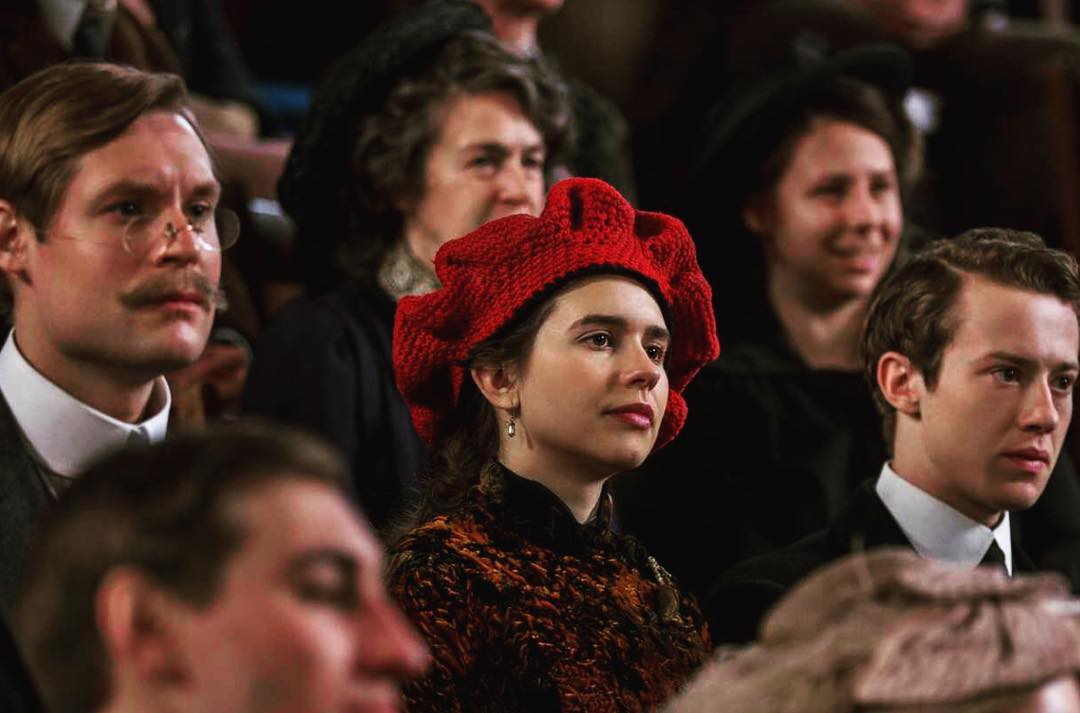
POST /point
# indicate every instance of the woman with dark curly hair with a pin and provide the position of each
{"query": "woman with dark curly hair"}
(536, 374)
(426, 130)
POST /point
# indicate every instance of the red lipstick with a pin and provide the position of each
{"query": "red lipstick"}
(638, 415)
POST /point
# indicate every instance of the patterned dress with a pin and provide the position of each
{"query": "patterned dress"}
(525, 609)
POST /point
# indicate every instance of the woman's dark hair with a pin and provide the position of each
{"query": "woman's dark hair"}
(460, 457)
(390, 148)
(843, 99)
(730, 254)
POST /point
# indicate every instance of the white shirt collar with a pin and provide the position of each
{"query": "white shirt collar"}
(937, 530)
(65, 433)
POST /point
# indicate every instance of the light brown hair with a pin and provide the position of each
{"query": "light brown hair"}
(51, 119)
(911, 310)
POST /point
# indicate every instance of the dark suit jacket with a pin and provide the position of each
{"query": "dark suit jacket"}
(742, 595)
(23, 499)
(325, 364)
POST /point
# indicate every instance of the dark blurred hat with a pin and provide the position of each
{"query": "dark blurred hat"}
(354, 86)
(759, 99)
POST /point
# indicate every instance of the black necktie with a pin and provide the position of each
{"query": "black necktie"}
(994, 557)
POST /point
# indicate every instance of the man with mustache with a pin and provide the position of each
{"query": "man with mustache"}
(971, 349)
(111, 254)
(424, 131)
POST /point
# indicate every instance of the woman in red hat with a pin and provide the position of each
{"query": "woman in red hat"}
(553, 357)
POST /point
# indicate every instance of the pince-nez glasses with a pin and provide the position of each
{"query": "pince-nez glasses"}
(211, 232)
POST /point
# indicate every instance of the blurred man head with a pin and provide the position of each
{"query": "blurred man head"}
(109, 246)
(972, 347)
(216, 572)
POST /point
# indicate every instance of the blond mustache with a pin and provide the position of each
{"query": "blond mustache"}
(159, 288)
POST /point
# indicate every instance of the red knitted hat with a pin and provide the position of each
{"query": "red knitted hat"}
(493, 274)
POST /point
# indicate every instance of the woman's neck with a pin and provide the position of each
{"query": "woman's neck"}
(826, 335)
(580, 492)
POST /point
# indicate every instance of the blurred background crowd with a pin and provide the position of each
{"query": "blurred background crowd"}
(807, 146)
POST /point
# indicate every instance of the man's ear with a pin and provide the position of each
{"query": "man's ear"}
(900, 383)
(499, 385)
(12, 241)
(139, 627)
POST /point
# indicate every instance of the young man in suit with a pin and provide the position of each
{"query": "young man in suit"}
(219, 571)
(972, 348)
(110, 257)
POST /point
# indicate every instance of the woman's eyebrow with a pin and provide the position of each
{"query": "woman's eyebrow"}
(653, 331)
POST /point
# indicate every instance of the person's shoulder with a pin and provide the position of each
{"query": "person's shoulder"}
(303, 318)
(17, 692)
(349, 315)
(448, 541)
(781, 568)
(15, 460)
(741, 596)
(447, 563)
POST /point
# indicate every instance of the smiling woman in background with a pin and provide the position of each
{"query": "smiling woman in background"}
(536, 373)
(798, 217)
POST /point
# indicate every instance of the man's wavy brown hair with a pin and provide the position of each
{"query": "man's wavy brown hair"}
(911, 310)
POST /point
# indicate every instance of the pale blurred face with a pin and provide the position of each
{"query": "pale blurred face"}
(833, 223)
(594, 390)
(517, 8)
(989, 432)
(920, 23)
(302, 622)
(83, 301)
(487, 163)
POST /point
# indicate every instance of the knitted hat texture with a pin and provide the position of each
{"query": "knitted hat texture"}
(494, 274)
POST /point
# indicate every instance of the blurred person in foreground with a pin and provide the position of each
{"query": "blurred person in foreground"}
(972, 348)
(222, 571)
(553, 357)
(890, 632)
(426, 130)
